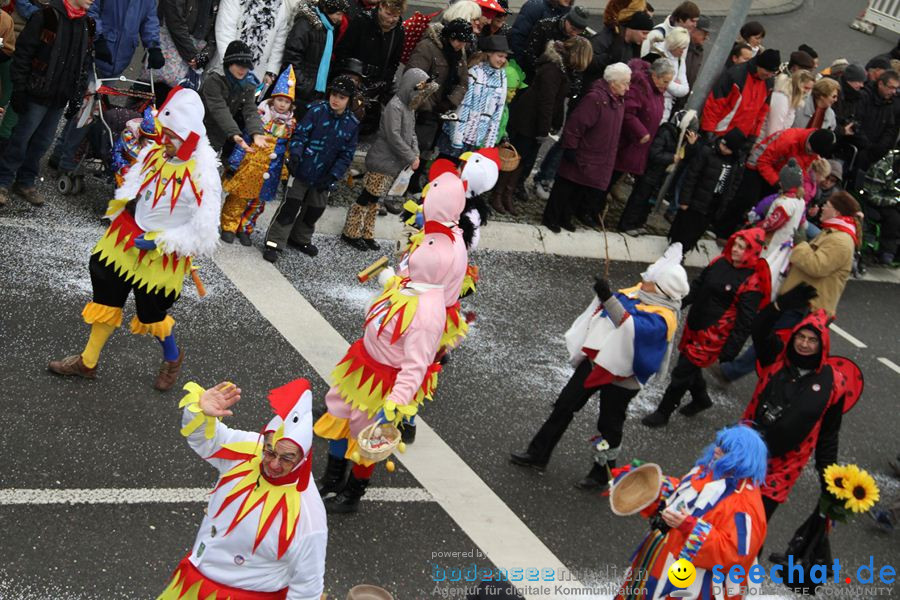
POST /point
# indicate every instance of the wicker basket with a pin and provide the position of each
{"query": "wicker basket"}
(509, 157)
(364, 440)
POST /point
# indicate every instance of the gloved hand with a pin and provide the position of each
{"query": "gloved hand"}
(569, 155)
(797, 298)
(144, 244)
(19, 102)
(102, 51)
(294, 163)
(155, 58)
(328, 184)
(601, 287)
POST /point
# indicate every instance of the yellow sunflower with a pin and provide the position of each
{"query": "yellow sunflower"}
(836, 478)
(863, 492)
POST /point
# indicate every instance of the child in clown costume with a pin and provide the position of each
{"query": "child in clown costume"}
(258, 174)
(713, 516)
(388, 373)
(164, 213)
(264, 531)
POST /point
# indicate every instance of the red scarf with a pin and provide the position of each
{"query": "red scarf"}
(73, 11)
(815, 121)
(842, 223)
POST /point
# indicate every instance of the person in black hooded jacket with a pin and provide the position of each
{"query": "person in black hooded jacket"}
(316, 21)
(710, 181)
(663, 153)
(376, 38)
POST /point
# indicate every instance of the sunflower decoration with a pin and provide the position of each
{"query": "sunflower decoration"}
(836, 479)
(863, 492)
(849, 490)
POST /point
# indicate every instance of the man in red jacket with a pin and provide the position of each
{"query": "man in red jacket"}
(739, 98)
(765, 161)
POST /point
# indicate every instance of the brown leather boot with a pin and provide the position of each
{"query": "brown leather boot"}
(497, 202)
(72, 365)
(507, 200)
(168, 373)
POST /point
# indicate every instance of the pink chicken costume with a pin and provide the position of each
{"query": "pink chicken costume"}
(390, 372)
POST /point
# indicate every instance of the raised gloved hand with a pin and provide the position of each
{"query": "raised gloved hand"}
(601, 287)
(102, 51)
(797, 298)
(155, 58)
(143, 243)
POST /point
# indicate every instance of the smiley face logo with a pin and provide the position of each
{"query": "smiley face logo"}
(682, 573)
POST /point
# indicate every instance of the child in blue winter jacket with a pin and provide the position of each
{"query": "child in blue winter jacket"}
(321, 151)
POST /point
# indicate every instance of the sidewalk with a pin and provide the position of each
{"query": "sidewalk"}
(518, 237)
(712, 8)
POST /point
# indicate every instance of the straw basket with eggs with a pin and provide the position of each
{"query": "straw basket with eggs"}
(378, 441)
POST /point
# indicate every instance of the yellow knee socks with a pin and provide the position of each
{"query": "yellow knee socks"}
(100, 332)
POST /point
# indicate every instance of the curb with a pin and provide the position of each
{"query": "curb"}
(518, 237)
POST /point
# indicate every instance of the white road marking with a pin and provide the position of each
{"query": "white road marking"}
(889, 364)
(10, 496)
(847, 336)
(468, 500)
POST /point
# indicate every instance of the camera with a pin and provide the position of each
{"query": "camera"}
(657, 522)
(769, 414)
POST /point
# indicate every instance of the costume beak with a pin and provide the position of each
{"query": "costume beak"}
(465, 156)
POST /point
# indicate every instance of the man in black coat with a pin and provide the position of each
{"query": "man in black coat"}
(376, 38)
(547, 30)
(306, 44)
(612, 47)
(877, 126)
(48, 71)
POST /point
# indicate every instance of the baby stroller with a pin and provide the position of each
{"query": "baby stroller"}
(105, 120)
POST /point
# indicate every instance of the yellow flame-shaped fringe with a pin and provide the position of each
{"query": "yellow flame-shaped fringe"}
(192, 402)
(159, 171)
(454, 332)
(258, 489)
(174, 591)
(100, 313)
(369, 396)
(159, 330)
(391, 303)
(144, 272)
(333, 428)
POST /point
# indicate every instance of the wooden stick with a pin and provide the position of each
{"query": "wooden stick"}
(375, 268)
(201, 289)
(605, 242)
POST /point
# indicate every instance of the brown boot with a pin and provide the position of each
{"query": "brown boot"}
(507, 200)
(497, 202)
(72, 365)
(168, 373)
(29, 193)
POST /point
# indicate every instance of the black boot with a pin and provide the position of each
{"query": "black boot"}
(660, 417)
(696, 406)
(527, 459)
(408, 433)
(347, 501)
(595, 481)
(334, 477)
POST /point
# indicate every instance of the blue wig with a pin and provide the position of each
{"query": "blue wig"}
(745, 454)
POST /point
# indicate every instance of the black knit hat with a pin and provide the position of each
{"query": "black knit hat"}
(809, 50)
(639, 21)
(329, 7)
(854, 72)
(734, 139)
(769, 59)
(342, 84)
(238, 53)
(821, 141)
(460, 30)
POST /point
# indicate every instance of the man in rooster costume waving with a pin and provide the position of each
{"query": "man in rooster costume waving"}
(264, 531)
(165, 212)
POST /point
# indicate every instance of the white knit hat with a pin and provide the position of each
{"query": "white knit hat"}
(668, 274)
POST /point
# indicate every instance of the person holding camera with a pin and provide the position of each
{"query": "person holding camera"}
(799, 400)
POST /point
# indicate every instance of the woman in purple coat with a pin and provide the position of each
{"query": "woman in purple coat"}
(589, 142)
(644, 105)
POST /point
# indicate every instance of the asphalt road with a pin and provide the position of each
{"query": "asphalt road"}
(117, 433)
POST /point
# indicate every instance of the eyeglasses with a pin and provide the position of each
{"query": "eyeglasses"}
(269, 455)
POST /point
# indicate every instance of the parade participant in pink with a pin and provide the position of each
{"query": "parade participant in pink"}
(390, 372)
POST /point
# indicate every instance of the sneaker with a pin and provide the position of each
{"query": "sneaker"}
(4, 196)
(244, 239)
(270, 254)
(72, 365)
(393, 205)
(227, 237)
(29, 193)
(542, 189)
(168, 373)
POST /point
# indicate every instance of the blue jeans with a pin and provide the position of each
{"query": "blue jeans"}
(746, 362)
(67, 145)
(550, 164)
(812, 230)
(29, 141)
